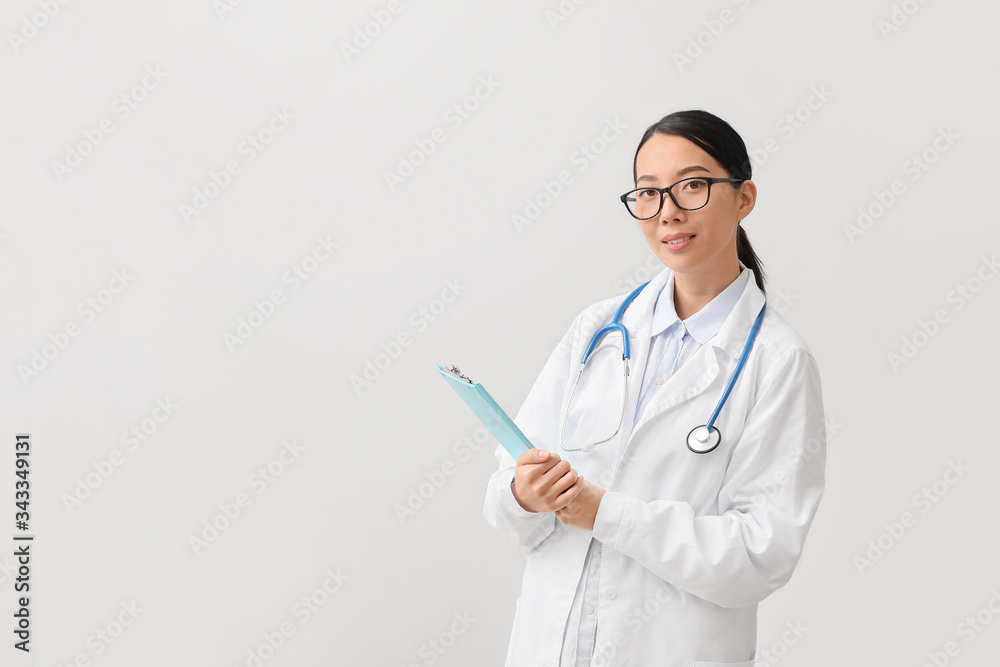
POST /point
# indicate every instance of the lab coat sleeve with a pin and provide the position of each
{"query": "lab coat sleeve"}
(538, 419)
(767, 501)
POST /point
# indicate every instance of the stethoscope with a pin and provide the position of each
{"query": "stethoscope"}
(702, 439)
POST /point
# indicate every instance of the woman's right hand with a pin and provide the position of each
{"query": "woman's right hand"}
(543, 482)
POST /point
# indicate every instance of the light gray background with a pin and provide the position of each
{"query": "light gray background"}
(333, 508)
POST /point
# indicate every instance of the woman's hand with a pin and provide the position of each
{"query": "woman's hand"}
(582, 511)
(543, 482)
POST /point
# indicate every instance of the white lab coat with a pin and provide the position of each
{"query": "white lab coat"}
(690, 543)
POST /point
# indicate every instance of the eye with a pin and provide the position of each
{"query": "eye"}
(647, 193)
(695, 184)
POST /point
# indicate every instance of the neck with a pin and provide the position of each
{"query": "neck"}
(694, 292)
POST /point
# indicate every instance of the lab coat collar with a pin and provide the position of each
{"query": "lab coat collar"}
(732, 334)
(704, 324)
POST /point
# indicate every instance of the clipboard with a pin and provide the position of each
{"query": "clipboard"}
(492, 415)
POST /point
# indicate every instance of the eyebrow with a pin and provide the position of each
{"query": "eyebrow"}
(680, 172)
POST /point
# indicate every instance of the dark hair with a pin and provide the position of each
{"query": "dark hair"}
(717, 138)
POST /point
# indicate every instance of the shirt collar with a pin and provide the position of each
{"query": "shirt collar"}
(704, 324)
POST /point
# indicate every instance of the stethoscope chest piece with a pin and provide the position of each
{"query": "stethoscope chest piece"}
(701, 440)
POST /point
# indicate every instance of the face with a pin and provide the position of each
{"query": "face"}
(710, 250)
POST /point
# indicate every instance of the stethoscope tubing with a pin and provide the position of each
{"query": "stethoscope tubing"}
(615, 325)
(711, 435)
(739, 367)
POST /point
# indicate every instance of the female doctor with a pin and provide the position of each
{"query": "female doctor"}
(652, 543)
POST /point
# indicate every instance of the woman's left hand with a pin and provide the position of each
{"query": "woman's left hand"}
(582, 511)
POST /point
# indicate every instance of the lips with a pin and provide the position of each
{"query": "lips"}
(677, 242)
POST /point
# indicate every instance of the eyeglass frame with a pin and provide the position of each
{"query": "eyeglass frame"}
(666, 190)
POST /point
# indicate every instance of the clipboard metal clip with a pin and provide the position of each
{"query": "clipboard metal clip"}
(454, 370)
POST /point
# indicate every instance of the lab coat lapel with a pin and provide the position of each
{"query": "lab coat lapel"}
(688, 381)
(698, 373)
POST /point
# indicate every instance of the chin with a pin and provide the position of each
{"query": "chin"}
(672, 261)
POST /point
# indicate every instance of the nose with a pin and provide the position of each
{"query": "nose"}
(670, 211)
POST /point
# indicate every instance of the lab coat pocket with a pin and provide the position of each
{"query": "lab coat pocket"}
(513, 634)
(595, 408)
(701, 663)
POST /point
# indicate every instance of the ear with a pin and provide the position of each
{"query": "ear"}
(745, 199)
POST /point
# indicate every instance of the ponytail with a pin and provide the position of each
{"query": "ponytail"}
(749, 258)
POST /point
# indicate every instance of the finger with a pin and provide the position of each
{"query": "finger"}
(563, 483)
(534, 476)
(570, 494)
(565, 501)
(537, 469)
(534, 456)
(553, 473)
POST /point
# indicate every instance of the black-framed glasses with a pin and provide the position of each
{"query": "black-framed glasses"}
(693, 193)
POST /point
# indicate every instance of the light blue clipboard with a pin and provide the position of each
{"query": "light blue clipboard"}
(491, 414)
